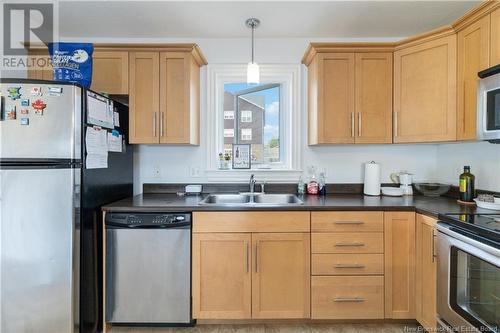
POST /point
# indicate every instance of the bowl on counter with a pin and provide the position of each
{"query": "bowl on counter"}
(432, 189)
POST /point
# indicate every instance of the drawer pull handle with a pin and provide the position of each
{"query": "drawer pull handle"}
(349, 222)
(349, 244)
(349, 299)
(349, 266)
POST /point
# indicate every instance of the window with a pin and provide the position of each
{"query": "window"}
(246, 134)
(228, 132)
(246, 116)
(266, 116)
(228, 115)
(257, 119)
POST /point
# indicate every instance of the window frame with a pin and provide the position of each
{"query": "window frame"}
(291, 133)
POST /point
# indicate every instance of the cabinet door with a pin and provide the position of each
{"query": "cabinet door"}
(473, 56)
(174, 97)
(373, 104)
(40, 73)
(281, 278)
(144, 89)
(335, 114)
(495, 38)
(110, 72)
(399, 239)
(425, 92)
(426, 273)
(221, 276)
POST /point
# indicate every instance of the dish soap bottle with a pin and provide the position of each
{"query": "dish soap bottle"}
(466, 185)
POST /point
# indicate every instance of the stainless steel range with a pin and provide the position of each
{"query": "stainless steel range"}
(469, 272)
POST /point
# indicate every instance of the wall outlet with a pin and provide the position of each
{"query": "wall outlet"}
(156, 171)
(194, 171)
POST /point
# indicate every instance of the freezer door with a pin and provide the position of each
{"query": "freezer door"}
(54, 134)
(39, 251)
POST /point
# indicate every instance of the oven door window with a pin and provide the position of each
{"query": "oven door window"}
(475, 290)
(493, 110)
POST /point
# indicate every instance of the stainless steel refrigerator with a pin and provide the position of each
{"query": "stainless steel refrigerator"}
(63, 154)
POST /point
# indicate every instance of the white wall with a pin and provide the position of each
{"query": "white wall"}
(430, 162)
(344, 164)
(483, 158)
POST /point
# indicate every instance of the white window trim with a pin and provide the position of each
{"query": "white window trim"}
(289, 77)
(246, 133)
(246, 119)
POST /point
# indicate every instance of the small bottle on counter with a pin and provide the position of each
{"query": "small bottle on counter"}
(313, 186)
(301, 186)
(322, 183)
(466, 185)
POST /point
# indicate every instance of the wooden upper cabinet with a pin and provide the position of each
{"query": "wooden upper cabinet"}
(399, 241)
(373, 98)
(179, 98)
(144, 70)
(425, 91)
(426, 270)
(335, 108)
(222, 276)
(110, 72)
(281, 278)
(164, 95)
(349, 94)
(495, 38)
(473, 56)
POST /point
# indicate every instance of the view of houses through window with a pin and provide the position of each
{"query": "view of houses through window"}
(252, 116)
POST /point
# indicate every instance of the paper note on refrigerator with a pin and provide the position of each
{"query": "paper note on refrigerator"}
(96, 145)
(96, 161)
(114, 143)
(99, 111)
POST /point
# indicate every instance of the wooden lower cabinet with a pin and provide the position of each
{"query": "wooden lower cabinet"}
(245, 275)
(425, 298)
(221, 276)
(347, 297)
(347, 264)
(399, 241)
(281, 275)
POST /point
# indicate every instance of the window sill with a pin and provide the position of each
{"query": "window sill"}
(268, 175)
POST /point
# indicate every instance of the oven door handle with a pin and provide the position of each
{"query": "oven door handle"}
(469, 242)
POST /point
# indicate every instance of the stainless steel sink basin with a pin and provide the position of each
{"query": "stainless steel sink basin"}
(278, 199)
(256, 199)
(225, 199)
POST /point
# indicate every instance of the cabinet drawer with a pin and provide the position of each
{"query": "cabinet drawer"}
(347, 264)
(347, 221)
(347, 297)
(347, 242)
(279, 221)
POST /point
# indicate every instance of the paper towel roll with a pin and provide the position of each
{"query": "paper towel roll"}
(372, 178)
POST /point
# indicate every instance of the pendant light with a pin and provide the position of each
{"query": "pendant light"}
(253, 71)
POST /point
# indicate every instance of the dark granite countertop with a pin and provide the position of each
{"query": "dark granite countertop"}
(174, 203)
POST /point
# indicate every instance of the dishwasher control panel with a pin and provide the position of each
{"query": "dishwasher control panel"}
(147, 220)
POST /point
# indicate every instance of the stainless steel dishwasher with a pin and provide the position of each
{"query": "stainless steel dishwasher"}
(148, 268)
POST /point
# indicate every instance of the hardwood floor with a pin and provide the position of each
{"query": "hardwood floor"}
(290, 328)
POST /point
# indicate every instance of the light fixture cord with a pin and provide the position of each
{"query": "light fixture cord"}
(253, 28)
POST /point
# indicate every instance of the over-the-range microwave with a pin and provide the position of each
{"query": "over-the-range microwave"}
(488, 105)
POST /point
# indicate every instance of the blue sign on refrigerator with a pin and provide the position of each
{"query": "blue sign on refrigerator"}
(72, 62)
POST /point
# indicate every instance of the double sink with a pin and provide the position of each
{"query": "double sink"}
(251, 199)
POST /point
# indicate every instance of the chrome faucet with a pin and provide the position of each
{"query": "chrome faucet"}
(251, 183)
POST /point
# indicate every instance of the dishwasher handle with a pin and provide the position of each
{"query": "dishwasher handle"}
(182, 225)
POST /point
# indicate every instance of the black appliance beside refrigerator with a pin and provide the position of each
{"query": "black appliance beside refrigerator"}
(52, 187)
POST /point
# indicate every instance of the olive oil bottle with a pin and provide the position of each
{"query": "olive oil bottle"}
(466, 185)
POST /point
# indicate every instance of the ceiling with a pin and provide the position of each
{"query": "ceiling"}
(280, 19)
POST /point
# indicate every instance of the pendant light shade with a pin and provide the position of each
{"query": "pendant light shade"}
(253, 70)
(253, 73)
